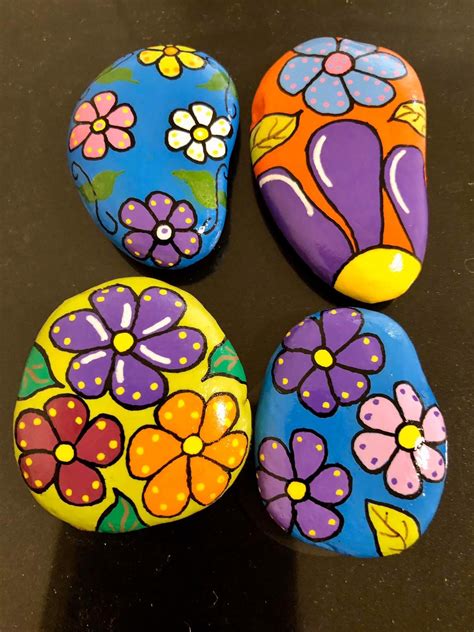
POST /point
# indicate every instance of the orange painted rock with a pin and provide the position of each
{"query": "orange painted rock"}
(338, 150)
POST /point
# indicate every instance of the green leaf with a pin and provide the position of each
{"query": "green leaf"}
(220, 81)
(37, 374)
(225, 361)
(394, 529)
(116, 74)
(222, 197)
(202, 185)
(270, 132)
(101, 187)
(120, 517)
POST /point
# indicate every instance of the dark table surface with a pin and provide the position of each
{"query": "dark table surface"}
(227, 568)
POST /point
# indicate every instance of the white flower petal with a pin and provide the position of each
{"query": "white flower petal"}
(215, 147)
(195, 151)
(203, 113)
(221, 127)
(183, 119)
(178, 139)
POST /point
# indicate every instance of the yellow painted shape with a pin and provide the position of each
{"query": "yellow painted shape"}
(377, 275)
(394, 530)
(117, 475)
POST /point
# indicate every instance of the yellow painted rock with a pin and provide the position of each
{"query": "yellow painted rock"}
(132, 409)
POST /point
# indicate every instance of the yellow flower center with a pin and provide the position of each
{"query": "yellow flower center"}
(171, 50)
(193, 445)
(324, 358)
(409, 436)
(123, 341)
(64, 453)
(99, 125)
(296, 490)
(200, 133)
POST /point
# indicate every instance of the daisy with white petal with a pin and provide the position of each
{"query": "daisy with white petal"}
(199, 132)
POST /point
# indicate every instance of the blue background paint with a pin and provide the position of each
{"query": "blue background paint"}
(279, 414)
(148, 166)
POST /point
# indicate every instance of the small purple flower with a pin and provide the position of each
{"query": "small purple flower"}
(162, 229)
(336, 73)
(327, 360)
(125, 342)
(299, 489)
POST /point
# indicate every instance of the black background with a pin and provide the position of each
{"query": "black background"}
(226, 568)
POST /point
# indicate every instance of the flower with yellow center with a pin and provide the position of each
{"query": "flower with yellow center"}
(324, 358)
(296, 490)
(410, 437)
(123, 341)
(64, 453)
(170, 59)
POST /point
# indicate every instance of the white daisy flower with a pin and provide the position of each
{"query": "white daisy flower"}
(199, 132)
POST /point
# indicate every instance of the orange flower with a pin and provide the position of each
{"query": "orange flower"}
(191, 453)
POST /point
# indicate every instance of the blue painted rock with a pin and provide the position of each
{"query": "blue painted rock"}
(350, 443)
(338, 148)
(149, 146)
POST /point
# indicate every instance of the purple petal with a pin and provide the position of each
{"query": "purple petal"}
(269, 486)
(183, 216)
(165, 255)
(281, 510)
(135, 214)
(348, 386)
(382, 65)
(138, 244)
(176, 350)
(315, 237)
(327, 94)
(289, 368)
(187, 242)
(356, 49)
(315, 393)
(298, 72)
(331, 486)
(317, 46)
(309, 452)
(367, 90)
(316, 522)
(79, 331)
(345, 158)
(160, 204)
(159, 309)
(305, 335)
(88, 373)
(274, 458)
(340, 325)
(363, 354)
(136, 384)
(405, 182)
(116, 304)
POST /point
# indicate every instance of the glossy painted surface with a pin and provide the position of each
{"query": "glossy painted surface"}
(132, 410)
(350, 444)
(149, 145)
(338, 148)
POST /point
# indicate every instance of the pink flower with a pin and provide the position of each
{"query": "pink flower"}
(399, 440)
(102, 123)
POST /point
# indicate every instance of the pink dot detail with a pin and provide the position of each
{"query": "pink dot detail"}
(335, 82)
(322, 80)
(306, 78)
(326, 104)
(381, 97)
(322, 51)
(292, 65)
(371, 68)
(339, 94)
(313, 89)
(340, 103)
(313, 100)
(386, 89)
(315, 69)
(368, 99)
(293, 86)
(304, 60)
(366, 78)
(350, 82)
(377, 82)
(384, 72)
(309, 49)
(286, 77)
(357, 93)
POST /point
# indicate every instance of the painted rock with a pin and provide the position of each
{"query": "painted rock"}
(350, 443)
(132, 409)
(338, 150)
(149, 146)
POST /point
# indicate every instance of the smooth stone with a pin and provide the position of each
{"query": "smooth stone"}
(132, 409)
(338, 151)
(149, 146)
(350, 445)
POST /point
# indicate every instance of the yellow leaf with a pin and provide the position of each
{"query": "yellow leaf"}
(413, 113)
(272, 130)
(394, 529)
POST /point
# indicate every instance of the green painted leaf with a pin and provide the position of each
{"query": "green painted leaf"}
(116, 74)
(37, 374)
(270, 132)
(202, 185)
(225, 361)
(120, 517)
(220, 81)
(101, 187)
(222, 197)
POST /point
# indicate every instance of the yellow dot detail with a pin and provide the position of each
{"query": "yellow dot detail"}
(37, 421)
(326, 405)
(113, 444)
(145, 469)
(100, 456)
(153, 386)
(221, 479)
(284, 381)
(366, 341)
(306, 393)
(101, 425)
(147, 297)
(312, 533)
(100, 299)
(196, 346)
(409, 436)
(274, 445)
(38, 483)
(56, 330)
(181, 496)
(324, 358)
(163, 292)
(296, 490)
(345, 395)
(299, 439)
(78, 421)
(318, 447)
(95, 485)
(339, 492)
(331, 522)
(29, 461)
(140, 450)
(69, 492)
(98, 381)
(336, 473)
(360, 384)
(231, 460)
(52, 412)
(168, 415)
(21, 425)
(163, 507)
(71, 404)
(23, 443)
(155, 438)
(183, 335)
(193, 445)
(85, 498)
(64, 453)
(120, 390)
(183, 360)
(123, 341)
(374, 358)
(76, 365)
(280, 361)
(81, 384)
(137, 395)
(200, 487)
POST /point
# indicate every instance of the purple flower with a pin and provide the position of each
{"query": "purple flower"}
(336, 73)
(327, 360)
(299, 489)
(162, 229)
(125, 342)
